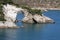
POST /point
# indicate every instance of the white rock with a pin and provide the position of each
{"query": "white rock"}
(1, 24)
(28, 19)
(42, 19)
(10, 13)
(9, 24)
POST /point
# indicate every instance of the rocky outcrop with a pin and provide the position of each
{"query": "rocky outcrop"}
(29, 18)
(7, 24)
(10, 13)
(42, 19)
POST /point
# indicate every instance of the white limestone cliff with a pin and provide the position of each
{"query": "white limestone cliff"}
(10, 13)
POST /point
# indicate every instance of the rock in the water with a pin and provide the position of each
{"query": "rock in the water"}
(10, 24)
(36, 18)
(7, 24)
(10, 13)
(48, 20)
(42, 19)
(28, 19)
(1, 23)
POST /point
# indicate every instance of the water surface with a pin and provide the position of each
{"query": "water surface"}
(35, 31)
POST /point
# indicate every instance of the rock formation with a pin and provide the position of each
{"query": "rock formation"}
(42, 19)
(28, 17)
(36, 18)
(10, 13)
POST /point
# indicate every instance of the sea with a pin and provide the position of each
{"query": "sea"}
(35, 31)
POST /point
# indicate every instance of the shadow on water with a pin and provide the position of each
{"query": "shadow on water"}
(31, 27)
(30, 32)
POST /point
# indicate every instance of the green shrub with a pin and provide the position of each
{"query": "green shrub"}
(26, 7)
(32, 11)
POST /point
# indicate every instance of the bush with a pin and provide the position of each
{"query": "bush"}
(32, 11)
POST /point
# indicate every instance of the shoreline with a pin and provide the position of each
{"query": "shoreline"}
(46, 8)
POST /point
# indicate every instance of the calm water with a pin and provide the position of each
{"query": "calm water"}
(35, 31)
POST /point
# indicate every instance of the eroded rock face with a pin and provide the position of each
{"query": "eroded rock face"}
(29, 18)
(10, 24)
(10, 13)
(39, 19)
(48, 20)
(42, 19)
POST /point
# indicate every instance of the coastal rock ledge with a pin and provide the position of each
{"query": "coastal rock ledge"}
(10, 13)
(37, 19)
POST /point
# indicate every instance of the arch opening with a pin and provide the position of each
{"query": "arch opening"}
(19, 17)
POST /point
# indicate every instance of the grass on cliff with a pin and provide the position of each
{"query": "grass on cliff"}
(32, 11)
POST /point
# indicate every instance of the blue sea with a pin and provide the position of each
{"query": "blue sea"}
(35, 31)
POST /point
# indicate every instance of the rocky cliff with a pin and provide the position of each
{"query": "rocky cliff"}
(10, 13)
(36, 18)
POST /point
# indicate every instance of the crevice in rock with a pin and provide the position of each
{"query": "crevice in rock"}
(34, 20)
